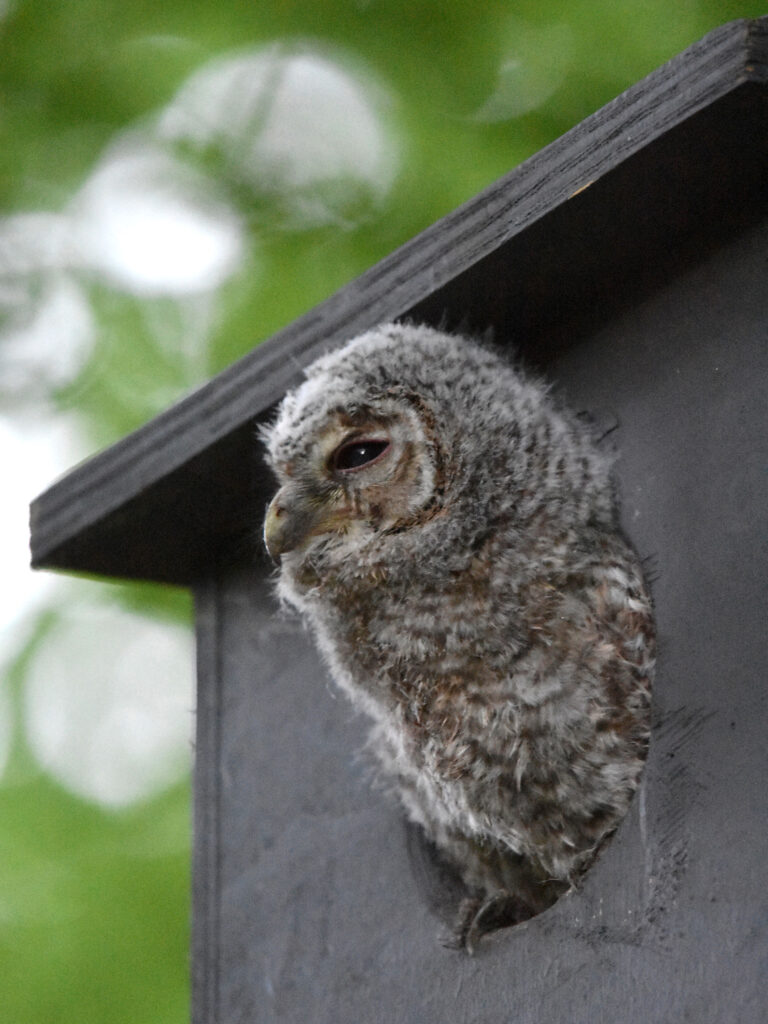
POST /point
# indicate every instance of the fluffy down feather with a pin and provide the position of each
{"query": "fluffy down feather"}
(449, 533)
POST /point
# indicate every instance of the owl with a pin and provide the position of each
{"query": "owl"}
(449, 533)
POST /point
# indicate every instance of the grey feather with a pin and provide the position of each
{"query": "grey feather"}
(468, 585)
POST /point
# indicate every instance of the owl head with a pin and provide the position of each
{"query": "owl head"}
(411, 444)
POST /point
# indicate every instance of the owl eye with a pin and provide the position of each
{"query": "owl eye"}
(356, 454)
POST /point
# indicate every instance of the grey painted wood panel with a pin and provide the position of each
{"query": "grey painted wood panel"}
(307, 905)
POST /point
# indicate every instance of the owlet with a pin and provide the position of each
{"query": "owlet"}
(449, 532)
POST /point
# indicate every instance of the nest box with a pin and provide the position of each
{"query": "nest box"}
(628, 261)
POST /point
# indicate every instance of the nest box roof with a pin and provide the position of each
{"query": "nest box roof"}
(637, 192)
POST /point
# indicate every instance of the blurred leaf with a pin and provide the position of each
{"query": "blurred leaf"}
(93, 919)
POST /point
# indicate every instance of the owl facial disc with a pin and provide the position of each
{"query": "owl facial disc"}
(361, 472)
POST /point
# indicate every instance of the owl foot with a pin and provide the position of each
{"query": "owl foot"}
(478, 916)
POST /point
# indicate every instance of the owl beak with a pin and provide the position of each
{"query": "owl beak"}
(291, 519)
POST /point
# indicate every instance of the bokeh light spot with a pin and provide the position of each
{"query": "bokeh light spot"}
(288, 123)
(36, 449)
(5, 726)
(153, 226)
(47, 335)
(535, 64)
(108, 704)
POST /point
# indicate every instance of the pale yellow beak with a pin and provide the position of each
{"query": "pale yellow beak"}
(291, 519)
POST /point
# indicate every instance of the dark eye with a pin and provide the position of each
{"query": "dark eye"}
(356, 454)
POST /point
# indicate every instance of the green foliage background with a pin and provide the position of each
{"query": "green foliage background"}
(94, 902)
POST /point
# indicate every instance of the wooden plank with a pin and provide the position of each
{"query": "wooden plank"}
(321, 918)
(206, 859)
(158, 503)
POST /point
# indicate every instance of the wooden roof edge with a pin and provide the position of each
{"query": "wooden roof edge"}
(725, 59)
